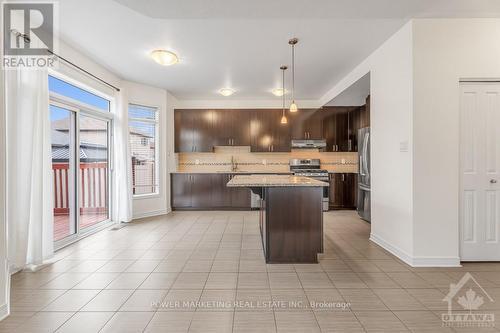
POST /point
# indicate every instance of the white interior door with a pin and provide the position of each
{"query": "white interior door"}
(480, 171)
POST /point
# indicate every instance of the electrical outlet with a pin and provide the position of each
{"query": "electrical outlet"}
(342, 161)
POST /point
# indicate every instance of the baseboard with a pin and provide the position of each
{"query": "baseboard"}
(4, 311)
(150, 214)
(416, 261)
(436, 262)
(398, 252)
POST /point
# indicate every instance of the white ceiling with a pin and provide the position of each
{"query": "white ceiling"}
(241, 43)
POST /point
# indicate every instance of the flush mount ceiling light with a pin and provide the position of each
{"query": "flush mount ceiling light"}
(283, 117)
(164, 57)
(226, 92)
(278, 92)
(293, 106)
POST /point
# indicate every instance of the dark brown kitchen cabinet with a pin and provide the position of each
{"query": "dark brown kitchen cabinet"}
(307, 124)
(207, 191)
(193, 130)
(201, 190)
(181, 190)
(221, 194)
(231, 127)
(343, 190)
(267, 132)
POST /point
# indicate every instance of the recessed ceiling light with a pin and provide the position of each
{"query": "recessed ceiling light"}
(226, 92)
(279, 92)
(164, 57)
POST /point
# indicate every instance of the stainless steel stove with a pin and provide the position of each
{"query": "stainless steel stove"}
(312, 168)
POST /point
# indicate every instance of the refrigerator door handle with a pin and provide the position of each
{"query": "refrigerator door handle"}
(361, 168)
(365, 150)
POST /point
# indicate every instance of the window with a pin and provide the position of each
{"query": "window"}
(64, 88)
(143, 131)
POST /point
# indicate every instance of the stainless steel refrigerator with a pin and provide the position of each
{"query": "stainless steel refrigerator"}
(363, 206)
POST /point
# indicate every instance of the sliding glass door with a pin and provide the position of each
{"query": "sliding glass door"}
(63, 125)
(94, 170)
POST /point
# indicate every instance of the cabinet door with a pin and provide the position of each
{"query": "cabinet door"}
(181, 190)
(336, 191)
(221, 194)
(261, 130)
(342, 128)
(203, 134)
(355, 124)
(330, 129)
(314, 124)
(350, 190)
(183, 131)
(240, 197)
(302, 123)
(282, 137)
(201, 191)
(240, 127)
(222, 127)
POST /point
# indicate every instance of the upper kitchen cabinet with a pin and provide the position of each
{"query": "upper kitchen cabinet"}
(262, 130)
(231, 127)
(307, 124)
(193, 130)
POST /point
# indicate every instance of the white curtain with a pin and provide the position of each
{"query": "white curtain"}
(29, 169)
(122, 169)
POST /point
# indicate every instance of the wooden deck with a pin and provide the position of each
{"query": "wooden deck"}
(61, 223)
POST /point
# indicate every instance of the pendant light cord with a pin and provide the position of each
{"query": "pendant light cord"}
(293, 73)
(283, 90)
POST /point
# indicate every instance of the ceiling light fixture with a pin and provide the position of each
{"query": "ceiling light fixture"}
(283, 117)
(164, 57)
(226, 92)
(293, 106)
(278, 92)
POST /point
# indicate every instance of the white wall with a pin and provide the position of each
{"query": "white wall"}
(4, 277)
(172, 103)
(445, 51)
(151, 205)
(390, 69)
(139, 94)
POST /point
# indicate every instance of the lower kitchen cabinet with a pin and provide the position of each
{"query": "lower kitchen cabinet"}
(343, 190)
(207, 191)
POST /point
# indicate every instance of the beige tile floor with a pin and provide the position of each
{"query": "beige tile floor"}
(205, 272)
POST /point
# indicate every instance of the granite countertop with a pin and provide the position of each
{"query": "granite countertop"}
(273, 181)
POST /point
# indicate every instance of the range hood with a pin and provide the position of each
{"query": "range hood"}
(308, 144)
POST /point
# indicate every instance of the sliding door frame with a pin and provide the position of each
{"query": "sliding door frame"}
(83, 109)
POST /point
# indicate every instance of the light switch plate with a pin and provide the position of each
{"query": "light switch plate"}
(403, 146)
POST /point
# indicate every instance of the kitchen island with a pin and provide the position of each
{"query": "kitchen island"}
(290, 215)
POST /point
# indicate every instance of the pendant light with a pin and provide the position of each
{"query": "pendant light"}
(283, 117)
(293, 106)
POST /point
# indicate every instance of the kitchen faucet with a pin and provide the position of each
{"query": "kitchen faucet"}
(234, 165)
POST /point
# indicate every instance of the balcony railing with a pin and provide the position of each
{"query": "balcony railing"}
(93, 194)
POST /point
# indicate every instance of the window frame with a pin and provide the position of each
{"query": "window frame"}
(157, 138)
